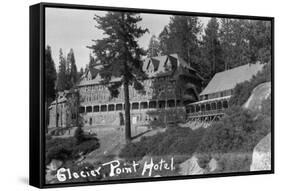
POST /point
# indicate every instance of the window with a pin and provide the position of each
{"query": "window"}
(171, 103)
(219, 105)
(213, 106)
(118, 107)
(225, 104)
(89, 109)
(143, 105)
(161, 104)
(96, 108)
(208, 107)
(179, 103)
(135, 105)
(73, 116)
(192, 109)
(206, 97)
(152, 104)
(82, 109)
(111, 107)
(197, 108)
(103, 108)
(202, 107)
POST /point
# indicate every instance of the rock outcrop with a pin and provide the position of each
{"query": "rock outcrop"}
(258, 95)
(191, 167)
(261, 159)
(54, 165)
(213, 165)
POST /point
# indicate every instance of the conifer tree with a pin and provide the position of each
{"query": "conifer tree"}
(153, 47)
(181, 37)
(211, 50)
(120, 56)
(62, 82)
(72, 72)
(51, 75)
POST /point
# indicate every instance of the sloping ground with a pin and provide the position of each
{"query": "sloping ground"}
(260, 159)
(260, 93)
(112, 139)
(262, 155)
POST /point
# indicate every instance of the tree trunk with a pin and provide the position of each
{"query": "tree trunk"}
(77, 107)
(56, 116)
(127, 113)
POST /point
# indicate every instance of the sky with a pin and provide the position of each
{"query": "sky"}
(75, 28)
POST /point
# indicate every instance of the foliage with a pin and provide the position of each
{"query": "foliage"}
(120, 55)
(51, 75)
(174, 141)
(59, 148)
(85, 147)
(260, 41)
(70, 148)
(232, 43)
(72, 75)
(67, 75)
(79, 135)
(153, 47)
(180, 37)
(62, 77)
(238, 132)
(234, 162)
(243, 90)
(211, 51)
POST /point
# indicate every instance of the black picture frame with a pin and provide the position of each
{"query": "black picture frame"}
(37, 92)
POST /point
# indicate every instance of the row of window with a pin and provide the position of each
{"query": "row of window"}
(133, 106)
(216, 95)
(207, 107)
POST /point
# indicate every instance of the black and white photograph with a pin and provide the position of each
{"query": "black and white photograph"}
(132, 95)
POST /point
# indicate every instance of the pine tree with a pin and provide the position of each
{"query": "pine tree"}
(260, 40)
(211, 50)
(81, 72)
(164, 38)
(235, 42)
(91, 62)
(62, 82)
(72, 71)
(181, 36)
(153, 47)
(120, 55)
(51, 75)
(226, 37)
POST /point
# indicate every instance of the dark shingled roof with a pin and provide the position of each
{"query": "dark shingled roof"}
(228, 79)
(159, 64)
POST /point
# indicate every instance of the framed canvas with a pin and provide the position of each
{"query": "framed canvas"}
(123, 95)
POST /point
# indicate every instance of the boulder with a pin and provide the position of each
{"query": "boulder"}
(212, 165)
(191, 167)
(261, 159)
(258, 95)
(55, 164)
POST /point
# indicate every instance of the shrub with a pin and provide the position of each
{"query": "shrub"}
(69, 148)
(238, 132)
(234, 162)
(242, 91)
(59, 148)
(85, 147)
(79, 134)
(174, 141)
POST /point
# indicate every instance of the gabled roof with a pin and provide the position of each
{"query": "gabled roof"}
(160, 68)
(61, 98)
(228, 79)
